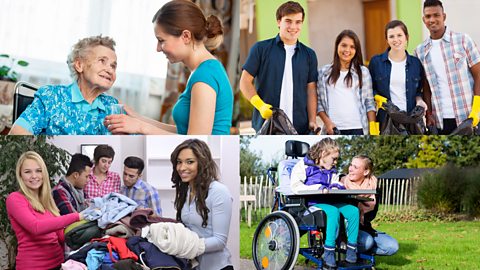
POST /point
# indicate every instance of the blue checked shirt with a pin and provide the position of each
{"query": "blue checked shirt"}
(144, 195)
(364, 94)
(62, 110)
(460, 53)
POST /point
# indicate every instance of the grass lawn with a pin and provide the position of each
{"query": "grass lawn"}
(423, 245)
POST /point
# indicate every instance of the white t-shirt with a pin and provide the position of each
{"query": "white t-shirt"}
(286, 94)
(446, 102)
(398, 88)
(343, 105)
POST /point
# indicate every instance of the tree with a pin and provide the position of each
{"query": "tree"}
(386, 152)
(11, 148)
(431, 153)
(250, 162)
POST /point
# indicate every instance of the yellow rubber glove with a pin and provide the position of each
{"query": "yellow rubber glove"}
(264, 108)
(374, 128)
(380, 100)
(475, 110)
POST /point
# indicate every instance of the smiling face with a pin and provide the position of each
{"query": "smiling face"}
(434, 19)
(357, 170)
(346, 51)
(31, 174)
(290, 27)
(396, 39)
(329, 160)
(187, 165)
(97, 68)
(174, 48)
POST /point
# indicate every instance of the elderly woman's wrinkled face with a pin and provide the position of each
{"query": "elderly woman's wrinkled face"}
(98, 67)
(173, 47)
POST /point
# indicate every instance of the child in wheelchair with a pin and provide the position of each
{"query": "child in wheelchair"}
(317, 172)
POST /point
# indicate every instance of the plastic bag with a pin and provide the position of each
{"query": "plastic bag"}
(278, 124)
(398, 122)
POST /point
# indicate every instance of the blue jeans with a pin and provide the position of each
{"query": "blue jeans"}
(381, 244)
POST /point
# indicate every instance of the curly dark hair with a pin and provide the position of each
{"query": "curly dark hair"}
(207, 172)
(321, 148)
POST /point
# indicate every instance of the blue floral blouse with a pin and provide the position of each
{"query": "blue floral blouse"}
(62, 110)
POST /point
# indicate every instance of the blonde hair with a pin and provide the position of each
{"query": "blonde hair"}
(323, 147)
(44, 201)
(367, 161)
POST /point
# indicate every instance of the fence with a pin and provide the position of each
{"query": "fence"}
(396, 194)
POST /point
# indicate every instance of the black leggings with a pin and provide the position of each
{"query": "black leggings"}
(227, 268)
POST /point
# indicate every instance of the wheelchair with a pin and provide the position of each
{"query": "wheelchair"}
(276, 242)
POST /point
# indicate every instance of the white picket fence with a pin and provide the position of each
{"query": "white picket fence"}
(397, 194)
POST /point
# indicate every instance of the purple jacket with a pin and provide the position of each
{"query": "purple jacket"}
(316, 175)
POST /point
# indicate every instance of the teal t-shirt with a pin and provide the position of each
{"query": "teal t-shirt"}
(212, 73)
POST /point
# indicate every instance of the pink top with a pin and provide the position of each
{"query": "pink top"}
(39, 235)
(111, 183)
(367, 183)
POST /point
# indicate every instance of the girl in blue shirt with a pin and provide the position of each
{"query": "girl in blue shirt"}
(206, 106)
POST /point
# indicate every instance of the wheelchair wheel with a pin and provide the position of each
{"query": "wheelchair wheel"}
(276, 242)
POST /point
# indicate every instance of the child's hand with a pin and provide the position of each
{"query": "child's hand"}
(336, 186)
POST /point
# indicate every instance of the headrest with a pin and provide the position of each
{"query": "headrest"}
(296, 148)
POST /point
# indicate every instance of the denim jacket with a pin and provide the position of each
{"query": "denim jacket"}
(380, 68)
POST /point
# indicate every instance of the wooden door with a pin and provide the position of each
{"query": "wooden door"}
(376, 15)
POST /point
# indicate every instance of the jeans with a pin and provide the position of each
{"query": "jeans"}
(449, 125)
(381, 244)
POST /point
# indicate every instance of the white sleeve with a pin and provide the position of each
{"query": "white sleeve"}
(297, 179)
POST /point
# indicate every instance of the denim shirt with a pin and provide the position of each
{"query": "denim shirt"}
(380, 69)
(266, 62)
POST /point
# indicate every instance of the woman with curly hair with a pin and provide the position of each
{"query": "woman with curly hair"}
(203, 204)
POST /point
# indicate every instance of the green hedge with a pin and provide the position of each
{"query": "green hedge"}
(451, 190)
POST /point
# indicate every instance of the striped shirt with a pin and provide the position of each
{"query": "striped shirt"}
(460, 53)
(144, 195)
(94, 189)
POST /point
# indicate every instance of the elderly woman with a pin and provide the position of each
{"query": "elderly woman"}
(79, 108)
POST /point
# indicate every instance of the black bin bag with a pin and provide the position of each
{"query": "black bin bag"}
(278, 124)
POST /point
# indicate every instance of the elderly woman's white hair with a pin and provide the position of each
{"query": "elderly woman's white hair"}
(80, 49)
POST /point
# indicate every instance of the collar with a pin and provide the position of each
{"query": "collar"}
(77, 97)
(279, 42)
(138, 184)
(384, 56)
(445, 37)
